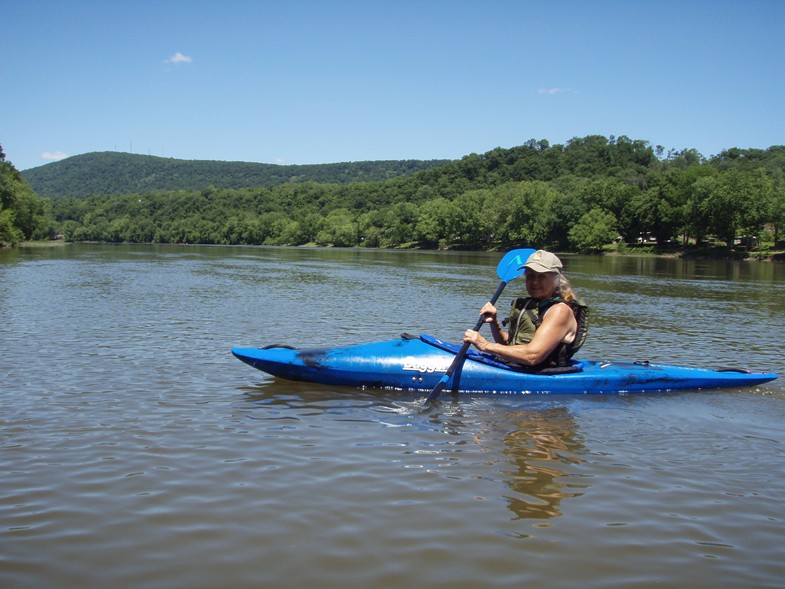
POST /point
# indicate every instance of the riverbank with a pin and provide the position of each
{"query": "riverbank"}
(703, 252)
(689, 252)
(41, 243)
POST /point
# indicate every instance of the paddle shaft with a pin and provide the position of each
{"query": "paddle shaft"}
(462, 352)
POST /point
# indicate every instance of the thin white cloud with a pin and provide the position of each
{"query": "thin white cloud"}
(54, 155)
(179, 58)
(552, 91)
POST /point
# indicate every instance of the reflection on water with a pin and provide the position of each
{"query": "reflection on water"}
(530, 450)
(538, 450)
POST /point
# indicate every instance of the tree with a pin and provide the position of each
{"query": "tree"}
(688, 185)
(594, 230)
(309, 224)
(23, 213)
(339, 229)
(568, 209)
(369, 227)
(526, 213)
(613, 196)
(658, 210)
(697, 212)
(739, 201)
(757, 204)
(400, 222)
(778, 209)
(473, 226)
(436, 221)
(9, 232)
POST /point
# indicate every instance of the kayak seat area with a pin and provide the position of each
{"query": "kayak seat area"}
(491, 360)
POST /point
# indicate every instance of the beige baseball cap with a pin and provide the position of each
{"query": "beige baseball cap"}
(542, 261)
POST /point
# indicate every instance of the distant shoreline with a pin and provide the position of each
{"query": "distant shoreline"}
(719, 253)
(702, 253)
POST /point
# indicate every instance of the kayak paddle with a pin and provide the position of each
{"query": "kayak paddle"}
(509, 268)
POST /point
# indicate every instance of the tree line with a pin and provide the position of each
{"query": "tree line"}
(579, 196)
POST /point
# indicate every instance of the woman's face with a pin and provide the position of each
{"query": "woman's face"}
(540, 285)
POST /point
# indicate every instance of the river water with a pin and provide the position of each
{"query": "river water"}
(135, 451)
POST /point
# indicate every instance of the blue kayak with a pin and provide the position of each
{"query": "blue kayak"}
(417, 363)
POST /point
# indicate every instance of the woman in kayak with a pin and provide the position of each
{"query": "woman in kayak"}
(545, 328)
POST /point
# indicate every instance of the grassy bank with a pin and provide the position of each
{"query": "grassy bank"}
(711, 252)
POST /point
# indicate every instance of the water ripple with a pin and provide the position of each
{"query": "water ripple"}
(137, 452)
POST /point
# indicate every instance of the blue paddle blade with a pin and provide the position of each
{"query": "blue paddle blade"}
(510, 266)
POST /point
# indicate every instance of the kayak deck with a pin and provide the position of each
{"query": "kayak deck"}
(418, 363)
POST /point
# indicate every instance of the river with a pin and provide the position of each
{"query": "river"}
(136, 452)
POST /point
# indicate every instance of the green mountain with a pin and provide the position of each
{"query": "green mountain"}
(112, 172)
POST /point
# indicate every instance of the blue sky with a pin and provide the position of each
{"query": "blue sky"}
(300, 82)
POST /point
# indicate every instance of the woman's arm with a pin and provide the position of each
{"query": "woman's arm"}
(491, 314)
(558, 326)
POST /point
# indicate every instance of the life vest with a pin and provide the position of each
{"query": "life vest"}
(526, 316)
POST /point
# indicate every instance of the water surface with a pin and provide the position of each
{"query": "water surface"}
(137, 452)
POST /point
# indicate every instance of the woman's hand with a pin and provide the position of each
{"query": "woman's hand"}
(474, 338)
(489, 312)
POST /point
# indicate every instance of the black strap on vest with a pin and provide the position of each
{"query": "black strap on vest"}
(563, 352)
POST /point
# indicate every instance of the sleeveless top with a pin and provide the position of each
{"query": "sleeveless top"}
(526, 316)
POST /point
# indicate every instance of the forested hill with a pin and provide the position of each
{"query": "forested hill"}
(113, 172)
(580, 196)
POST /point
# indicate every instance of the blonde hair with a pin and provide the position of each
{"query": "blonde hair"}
(563, 288)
